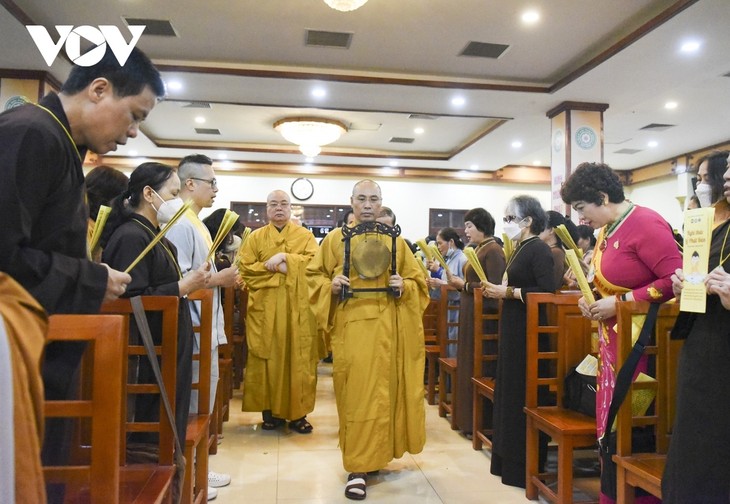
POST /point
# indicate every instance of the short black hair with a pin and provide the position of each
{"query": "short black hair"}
(128, 80)
(555, 219)
(103, 184)
(481, 219)
(196, 159)
(527, 206)
(345, 216)
(586, 232)
(386, 211)
(588, 181)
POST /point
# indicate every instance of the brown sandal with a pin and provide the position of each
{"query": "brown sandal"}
(356, 486)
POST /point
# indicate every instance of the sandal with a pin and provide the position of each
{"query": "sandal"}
(356, 486)
(271, 422)
(301, 426)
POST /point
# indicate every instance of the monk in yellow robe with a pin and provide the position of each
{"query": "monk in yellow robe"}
(377, 347)
(283, 345)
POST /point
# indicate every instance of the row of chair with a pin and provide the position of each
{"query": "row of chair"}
(556, 342)
(99, 470)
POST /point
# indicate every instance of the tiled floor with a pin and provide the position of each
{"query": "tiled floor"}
(283, 467)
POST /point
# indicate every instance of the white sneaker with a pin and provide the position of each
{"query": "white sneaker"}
(217, 480)
(212, 493)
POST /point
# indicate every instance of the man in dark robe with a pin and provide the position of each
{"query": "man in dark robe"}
(42, 193)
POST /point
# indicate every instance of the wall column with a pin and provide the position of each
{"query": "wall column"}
(576, 137)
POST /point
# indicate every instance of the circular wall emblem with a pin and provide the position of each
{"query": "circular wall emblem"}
(585, 137)
(15, 101)
(558, 140)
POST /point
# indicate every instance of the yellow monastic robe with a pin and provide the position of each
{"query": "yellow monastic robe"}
(26, 326)
(378, 355)
(283, 345)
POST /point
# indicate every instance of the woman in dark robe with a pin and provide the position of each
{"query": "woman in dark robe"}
(479, 230)
(132, 225)
(529, 269)
(698, 466)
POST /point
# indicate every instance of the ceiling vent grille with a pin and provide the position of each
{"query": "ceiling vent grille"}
(423, 117)
(158, 27)
(484, 50)
(657, 127)
(403, 140)
(627, 151)
(328, 39)
(207, 131)
(197, 105)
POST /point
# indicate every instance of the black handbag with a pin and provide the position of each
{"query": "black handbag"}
(579, 393)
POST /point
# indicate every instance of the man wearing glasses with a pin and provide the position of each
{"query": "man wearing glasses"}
(283, 345)
(193, 242)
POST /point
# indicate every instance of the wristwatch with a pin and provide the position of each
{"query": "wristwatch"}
(510, 293)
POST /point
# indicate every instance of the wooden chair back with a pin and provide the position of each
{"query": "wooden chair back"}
(486, 338)
(106, 336)
(448, 317)
(430, 323)
(663, 355)
(204, 331)
(558, 338)
(167, 306)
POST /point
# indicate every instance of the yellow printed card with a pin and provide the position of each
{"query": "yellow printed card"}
(696, 258)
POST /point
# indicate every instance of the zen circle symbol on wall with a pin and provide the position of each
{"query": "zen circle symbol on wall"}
(585, 137)
(558, 140)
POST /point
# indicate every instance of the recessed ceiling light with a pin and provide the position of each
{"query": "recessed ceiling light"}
(226, 163)
(653, 143)
(319, 92)
(309, 159)
(418, 131)
(387, 170)
(516, 144)
(174, 85)
(393, 162)
(200, 119)
(133, 153)
(458, 101)
(222, 155)
(670, 105)
(690, 46)
(537, 162)
(474, 167)
(530, 17)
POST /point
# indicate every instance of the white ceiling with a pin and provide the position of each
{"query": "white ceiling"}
(248, 58)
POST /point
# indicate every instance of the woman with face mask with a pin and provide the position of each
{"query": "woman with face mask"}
(149, 202)
(709, 190)
(529, 269)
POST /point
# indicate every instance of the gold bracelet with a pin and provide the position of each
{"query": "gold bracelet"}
(510, 293)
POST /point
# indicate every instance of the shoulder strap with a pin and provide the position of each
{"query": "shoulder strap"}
(144, 330)
(626, 373)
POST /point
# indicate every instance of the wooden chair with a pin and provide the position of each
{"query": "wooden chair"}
(198, 437)
(98, 480)
(485, 367)
(570, 335)
(447, 365)
(149, 482)
(644, 470)
(430, 336)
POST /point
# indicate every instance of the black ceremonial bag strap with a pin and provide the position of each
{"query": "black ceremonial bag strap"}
(626, 373)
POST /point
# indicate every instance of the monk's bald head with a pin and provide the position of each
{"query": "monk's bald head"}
(366, 200)
(278, 208)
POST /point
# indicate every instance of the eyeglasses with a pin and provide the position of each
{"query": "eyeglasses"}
(213, 182)
(274, 204)
(510, 218)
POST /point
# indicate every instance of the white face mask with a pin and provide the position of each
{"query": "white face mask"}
(233, 247)
(512, 230)
(167, 209)
(704, 194)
